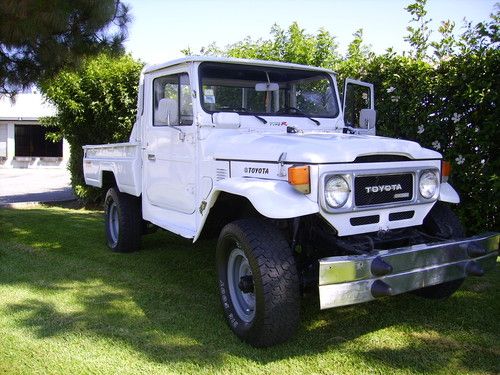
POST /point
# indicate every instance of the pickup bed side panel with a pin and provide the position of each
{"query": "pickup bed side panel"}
(123, 160)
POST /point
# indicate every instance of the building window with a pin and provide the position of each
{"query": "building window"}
(30, 141)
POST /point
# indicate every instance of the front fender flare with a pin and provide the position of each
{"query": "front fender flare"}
(448, 194)
(271, 198)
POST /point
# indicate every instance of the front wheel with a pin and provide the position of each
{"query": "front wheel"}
(258, 282)
(123, 221)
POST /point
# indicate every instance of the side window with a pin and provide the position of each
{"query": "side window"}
(172, 103)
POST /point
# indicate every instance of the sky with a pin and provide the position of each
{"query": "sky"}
(161, 28)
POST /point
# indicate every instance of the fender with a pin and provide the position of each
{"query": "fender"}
(271, 198)
(448, 194)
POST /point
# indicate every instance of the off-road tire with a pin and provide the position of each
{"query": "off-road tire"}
(275, 282)
(442, 222)
(125, 236)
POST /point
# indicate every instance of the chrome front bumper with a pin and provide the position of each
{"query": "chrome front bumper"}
(353, 279)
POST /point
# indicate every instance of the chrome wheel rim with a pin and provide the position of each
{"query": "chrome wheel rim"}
(113, 223)
(243, 302)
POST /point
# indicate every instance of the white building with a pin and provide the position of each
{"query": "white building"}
(22, 138)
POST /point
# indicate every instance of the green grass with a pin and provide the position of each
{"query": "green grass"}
(70, 306)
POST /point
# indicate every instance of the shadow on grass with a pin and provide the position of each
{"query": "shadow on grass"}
(163, 303)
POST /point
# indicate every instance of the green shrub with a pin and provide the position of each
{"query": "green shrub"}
(452, 107)
(95, 104)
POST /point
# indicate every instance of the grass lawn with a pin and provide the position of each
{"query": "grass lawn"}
(68, 306)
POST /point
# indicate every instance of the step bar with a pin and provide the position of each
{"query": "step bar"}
(348, 280)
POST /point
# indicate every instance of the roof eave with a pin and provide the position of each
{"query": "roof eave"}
(227, 60)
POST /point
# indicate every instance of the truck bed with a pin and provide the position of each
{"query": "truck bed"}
(123, 160)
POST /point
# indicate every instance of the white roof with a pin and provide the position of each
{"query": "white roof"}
(228, 60)
(26, 106)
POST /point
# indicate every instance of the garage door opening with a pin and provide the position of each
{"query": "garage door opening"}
(30, 141)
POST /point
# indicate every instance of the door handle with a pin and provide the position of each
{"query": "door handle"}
(151, 157)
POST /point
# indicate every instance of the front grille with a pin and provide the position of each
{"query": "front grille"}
(364, 220)
(389, 188)
(395, 216)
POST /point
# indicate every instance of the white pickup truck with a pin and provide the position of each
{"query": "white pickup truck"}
(297, 186)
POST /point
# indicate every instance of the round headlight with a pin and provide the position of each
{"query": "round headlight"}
(336, 191)
(428, 184)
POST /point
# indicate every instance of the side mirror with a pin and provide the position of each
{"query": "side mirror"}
(367, 118)
(226, 120)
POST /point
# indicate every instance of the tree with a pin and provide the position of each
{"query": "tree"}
(96, 103)
(419, 35)
(39, 38)
(291, 45)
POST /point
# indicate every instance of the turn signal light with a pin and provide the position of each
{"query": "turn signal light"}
(298, 177)
(445, 170)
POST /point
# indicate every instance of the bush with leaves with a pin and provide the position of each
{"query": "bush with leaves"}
(95, 104)
(442, 94)
(448, 101)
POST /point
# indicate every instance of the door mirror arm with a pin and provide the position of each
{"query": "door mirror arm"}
(182, 135)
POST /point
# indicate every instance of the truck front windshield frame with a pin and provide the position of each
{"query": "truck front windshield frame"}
(226, 87)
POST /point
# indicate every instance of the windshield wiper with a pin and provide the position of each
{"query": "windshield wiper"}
(297, 111)
(262, 119)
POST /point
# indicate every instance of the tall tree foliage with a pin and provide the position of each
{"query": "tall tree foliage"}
(290, 45)
(39, 38)
(418, 30)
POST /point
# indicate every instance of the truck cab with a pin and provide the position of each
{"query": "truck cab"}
(296, 185)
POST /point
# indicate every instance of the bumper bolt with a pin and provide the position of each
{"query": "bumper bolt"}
(380, 289)
(379, 267)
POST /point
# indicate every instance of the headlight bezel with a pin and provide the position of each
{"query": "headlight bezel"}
(342, 179)
(436, 175)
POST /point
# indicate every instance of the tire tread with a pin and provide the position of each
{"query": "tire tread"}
(280, 281)
(130, 221)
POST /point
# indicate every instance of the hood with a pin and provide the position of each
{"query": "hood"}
(314, 148)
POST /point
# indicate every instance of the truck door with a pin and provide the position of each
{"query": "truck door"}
(169, 153)
(359, 106)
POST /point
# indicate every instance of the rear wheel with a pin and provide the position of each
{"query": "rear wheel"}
(442, 222)
(123, 221)
(258, 282)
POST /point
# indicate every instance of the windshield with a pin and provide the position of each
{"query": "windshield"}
(258, 90)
